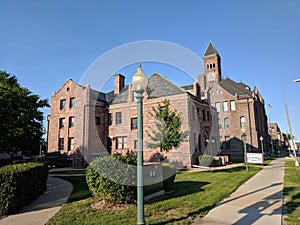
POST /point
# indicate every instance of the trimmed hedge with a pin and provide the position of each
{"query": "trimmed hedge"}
(20, 184)
(169, 174)
(113, 178)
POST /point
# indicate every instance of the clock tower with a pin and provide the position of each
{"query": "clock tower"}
(212, 64)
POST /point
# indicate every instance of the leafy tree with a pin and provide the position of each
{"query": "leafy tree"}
(167, 133)
(20, 119)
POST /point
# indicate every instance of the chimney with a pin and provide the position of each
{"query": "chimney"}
(119, 83)
(197, 90)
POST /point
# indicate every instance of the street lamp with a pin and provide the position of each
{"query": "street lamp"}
(288, 120)
(262, 148)
(139, 84)
(245, 147)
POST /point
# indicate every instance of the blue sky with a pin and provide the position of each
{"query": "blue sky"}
(44, 43)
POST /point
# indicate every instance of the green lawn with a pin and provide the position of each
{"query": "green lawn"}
(194, 194)
(292, 190)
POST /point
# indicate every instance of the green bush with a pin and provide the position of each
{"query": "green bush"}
(169, 174)
(206, 160)
(113, 178)
(20, 184)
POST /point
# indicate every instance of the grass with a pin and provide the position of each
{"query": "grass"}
(292, 191)
(194, 194)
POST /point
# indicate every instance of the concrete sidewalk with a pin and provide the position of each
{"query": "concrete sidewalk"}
(257, 202)
(44, 207)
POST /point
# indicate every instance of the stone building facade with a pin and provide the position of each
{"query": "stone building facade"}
(237, 107)
(100, 124)
(77, 123)
(214, 111)
(186, 100)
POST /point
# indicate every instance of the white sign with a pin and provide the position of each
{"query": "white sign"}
(255, 158)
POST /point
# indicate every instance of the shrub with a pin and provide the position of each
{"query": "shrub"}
(169, 174)
(113, 178)
(206, 160)
(20, 184)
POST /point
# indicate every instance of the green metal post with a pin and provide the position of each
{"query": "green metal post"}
(140, 175)
(245, 151)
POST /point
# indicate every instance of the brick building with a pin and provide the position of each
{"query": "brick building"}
(100, 124)
(77, 123)
(237, 106)
(187, 101)
(213, 111)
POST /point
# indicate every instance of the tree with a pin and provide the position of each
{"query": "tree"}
(20, 119)
(168, 132)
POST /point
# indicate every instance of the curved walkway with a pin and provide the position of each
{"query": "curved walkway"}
(44, 207)
(257, 202)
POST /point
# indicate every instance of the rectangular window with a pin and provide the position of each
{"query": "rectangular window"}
(220, 124)
(71, 121)
(61, 123)
(121, 142)
(203, 115)
(60, 144)
(72, 102)
(225, 106)
(118, 118)
(97, 120)
(226, 123)
(109, 119)
(70, 143)
(218, 106)
(208, 115)
(133, 123)
(135, 144)
(62, 104)
(232, 105)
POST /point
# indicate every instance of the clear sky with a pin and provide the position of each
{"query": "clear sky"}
(44, 43)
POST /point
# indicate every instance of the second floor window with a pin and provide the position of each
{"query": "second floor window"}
(72, 102)
(62, 104)
(61, 123)
(71, 121)
(118, 118)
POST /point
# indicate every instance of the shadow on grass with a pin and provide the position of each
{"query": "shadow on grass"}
(293, 201)
(80, 188)
(182, 188)
(183, 218)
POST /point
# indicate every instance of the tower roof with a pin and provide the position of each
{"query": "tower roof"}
(210, 49)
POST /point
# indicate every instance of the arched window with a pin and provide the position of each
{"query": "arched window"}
(207, 66)
(214, 65)
(243, 122)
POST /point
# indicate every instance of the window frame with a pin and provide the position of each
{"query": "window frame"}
(118, 118)
(62, 122)
(72, 103)
(62, 104)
